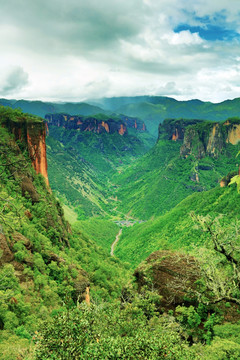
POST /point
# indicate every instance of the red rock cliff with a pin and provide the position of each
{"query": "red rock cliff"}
(34, 135)
(37, 151)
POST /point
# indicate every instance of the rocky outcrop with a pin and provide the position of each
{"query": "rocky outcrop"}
(133, 122)
(210, 139)
(201, 138)
(233, 134)
(90, 123)
(37, 149)
(33, 134)
(174, 129)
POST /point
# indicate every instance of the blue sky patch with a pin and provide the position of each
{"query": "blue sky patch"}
(212, 29)
(210, 32)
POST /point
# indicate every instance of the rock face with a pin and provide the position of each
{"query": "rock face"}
(133, 122)
(208, 139)
(201, 138)
(174, 129)
(233, 134)
(33, 134)
(89, 123)
(37, 150)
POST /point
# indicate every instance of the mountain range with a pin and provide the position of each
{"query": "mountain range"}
(151, 109)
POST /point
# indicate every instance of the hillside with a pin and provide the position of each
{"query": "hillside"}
(44, 263)
(41, 108)
(62, 293)
(190, 156)
(176, 229)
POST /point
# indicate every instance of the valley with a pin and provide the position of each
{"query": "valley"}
(120, 180)
(133, 215)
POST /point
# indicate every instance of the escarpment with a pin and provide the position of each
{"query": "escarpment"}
(174, 129)
(33, 134)
(90, 123)
(97, 124)
(35, 238)
(201, 138)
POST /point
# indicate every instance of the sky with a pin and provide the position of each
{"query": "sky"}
(75, 50)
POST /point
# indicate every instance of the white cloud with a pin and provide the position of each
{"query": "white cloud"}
(184, 37)
(60, 50)
(13, 80)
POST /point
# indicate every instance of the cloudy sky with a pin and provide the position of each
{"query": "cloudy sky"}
(73, 50)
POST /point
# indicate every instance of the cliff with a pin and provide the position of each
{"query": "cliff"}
(30, 131)
(34, 236)
(133, 122)
(201, 138)
(97, 124)
(174, 129)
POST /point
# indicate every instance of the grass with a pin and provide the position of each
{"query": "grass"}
(69, 214)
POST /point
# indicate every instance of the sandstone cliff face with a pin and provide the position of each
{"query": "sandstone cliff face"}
(34, 136)
(172, 129)
(201, 138)
(233, 133)
(37, 150)
(209, 139)
(90, 123)
(133, 122)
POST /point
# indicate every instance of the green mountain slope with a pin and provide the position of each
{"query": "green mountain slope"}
(43, 262)
(162, 178)
(41, 108)
(175, 229)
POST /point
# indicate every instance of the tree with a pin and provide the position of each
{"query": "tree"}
(220, 261)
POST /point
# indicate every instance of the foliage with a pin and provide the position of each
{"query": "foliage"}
(175, 229)
(82, 177)
(222, 274)
(110, 333)
(162, 178)
(103, 232)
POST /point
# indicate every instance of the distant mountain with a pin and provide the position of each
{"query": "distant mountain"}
(42, 108)
(151, 109)
(154, 109)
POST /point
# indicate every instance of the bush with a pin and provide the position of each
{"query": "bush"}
(109, 333)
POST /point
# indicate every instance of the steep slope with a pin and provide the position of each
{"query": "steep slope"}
(98, 123)
(176, 229)
(43, 261)
(190, 156)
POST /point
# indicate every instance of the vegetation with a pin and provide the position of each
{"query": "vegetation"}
(42, 262)
(81, 164)
(175, 229)
(171, 290)
(162, 178)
